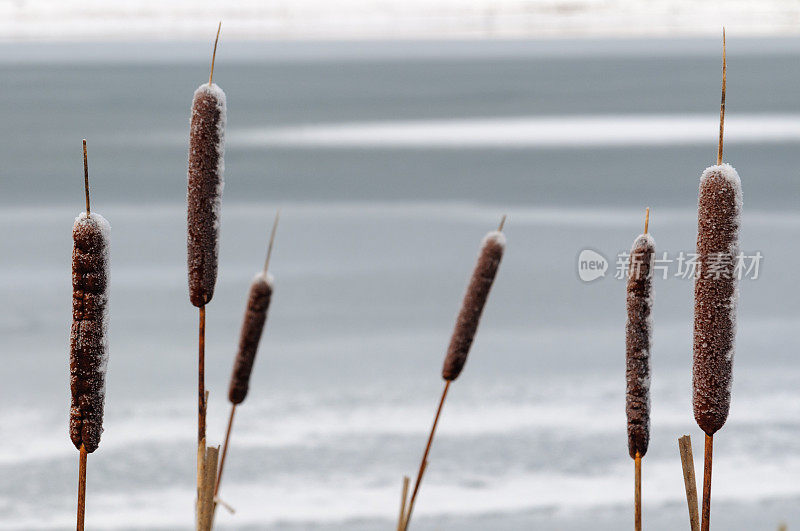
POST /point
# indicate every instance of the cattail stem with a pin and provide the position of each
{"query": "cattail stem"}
(401, 520)
(424, 462)
(86, 177)
(201, 377)
(82, 487)
(722, 100)
(225, 449)
(687, 461)
(709, 451)
(201, 410)
(646, 219)
(637, 492)
(214, 55)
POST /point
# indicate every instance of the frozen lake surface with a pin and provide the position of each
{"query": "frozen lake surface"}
(374, 249)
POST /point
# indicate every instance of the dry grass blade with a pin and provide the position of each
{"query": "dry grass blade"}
(401, 519)
(207, 494)
(687, 462)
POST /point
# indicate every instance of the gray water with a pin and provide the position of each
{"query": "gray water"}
(373, 252)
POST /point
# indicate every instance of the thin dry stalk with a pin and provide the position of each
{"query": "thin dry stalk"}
(637, 517)
(201, 376)
(214, 55)
(424, 462)
(401, 520)
(86, 177)
(225, 448)
(687, 462)
(722, 100)
(201, 410)
(709, 451)
(82, 487)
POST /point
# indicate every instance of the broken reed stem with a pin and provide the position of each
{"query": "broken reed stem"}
(722, 101)
(82, 487)
(207, 494)
(225, 448)
(424, 462)
(687, 462)
(214, 55)
(707, 462)
(401, 519)
(86, 177)
(637, 492)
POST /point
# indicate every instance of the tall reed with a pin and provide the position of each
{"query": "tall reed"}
(469, 316)
(716, 292)
(204, 195)
(255, 316)
(638, 335)
(88, 343)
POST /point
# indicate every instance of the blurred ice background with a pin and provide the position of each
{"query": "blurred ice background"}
(390, 159)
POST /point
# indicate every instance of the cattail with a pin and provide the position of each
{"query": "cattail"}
(715, 294)
(467, 322)
(88, 356)
(255, 316)
(474, 300)
(638, 333)
(88, 347)
(719, 208)
(204, 193)
(206, 165)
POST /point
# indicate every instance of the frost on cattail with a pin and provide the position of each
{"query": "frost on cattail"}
(715, 294)
(88, 346)
(255, 316)
(474, 300)
(638, 334)
(206, 166)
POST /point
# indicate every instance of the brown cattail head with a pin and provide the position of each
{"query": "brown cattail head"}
(474, 300)
(638, 334)
(255, 315)
(715, 294)
(88, 347)
(206, 166)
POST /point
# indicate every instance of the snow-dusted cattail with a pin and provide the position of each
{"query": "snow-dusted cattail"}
(204, 194)
(719, 208)
(255, 316)
(88, 348)
(638, 334)
(469, 316)
(206, 166)
(474, 300)
(715, 294)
